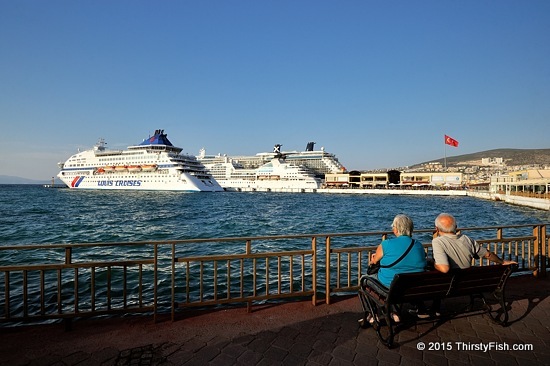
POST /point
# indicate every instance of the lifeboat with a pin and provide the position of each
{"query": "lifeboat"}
(109, 168)
(134, 168)
(120, 168)
(148, 168)
(274, 177)
(100, 171)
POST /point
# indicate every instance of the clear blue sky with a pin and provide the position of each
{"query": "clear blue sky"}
(378, 83)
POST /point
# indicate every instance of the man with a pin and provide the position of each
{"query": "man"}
(452, 250)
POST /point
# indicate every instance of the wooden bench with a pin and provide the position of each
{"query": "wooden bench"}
(474, 282)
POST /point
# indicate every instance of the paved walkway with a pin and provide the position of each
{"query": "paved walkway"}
(290, 334)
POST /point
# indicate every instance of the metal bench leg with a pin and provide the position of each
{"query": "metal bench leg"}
(500, 316)
(368, 309)
(385, 331)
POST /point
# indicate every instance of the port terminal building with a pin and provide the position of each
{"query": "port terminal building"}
(394, 179)
(528, 183)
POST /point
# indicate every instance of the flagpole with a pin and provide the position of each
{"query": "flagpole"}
(445, 154)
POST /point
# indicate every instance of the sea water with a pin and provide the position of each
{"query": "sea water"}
(32, 214)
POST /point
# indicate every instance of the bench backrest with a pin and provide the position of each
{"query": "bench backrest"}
(480, 279)
(407, 287)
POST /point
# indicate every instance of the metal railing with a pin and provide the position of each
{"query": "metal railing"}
(545, 196)
(65, 281)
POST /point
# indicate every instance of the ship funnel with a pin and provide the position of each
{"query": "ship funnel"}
(310, 146)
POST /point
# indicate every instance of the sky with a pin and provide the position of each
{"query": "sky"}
(378, 83)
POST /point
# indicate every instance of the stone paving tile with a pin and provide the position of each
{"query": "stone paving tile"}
(389, 356)
(410, 353)
(292, 359)
(223, 359)
(320, 357)
(301, 349)
(234, 350)
(343, 353)
(46, 360)
(365, 361)
(250, 357)
(435, 358)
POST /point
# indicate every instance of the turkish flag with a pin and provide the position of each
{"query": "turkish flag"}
(450, 141)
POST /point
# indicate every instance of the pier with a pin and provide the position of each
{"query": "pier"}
(248, 306)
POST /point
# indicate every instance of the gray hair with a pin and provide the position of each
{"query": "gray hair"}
(403, 224)
(446, 223)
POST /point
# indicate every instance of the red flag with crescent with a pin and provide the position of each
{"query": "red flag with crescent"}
(450, 141)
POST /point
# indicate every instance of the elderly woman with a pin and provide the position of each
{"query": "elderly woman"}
(401, 254)
(390, 250)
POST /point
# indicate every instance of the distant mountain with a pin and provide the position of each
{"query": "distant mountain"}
(510, 156)
(8, 179)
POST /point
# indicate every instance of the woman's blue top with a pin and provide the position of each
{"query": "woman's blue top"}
(414, 261)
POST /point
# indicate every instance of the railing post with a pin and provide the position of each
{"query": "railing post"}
(536, 251)
(314, 270)
(327, 269)
(173, 302)
(248, 251)
(68, 259)
(540, 251)
(155, 286)
(68, 255)
(544, 252)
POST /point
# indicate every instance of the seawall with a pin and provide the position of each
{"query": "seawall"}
(538, 203)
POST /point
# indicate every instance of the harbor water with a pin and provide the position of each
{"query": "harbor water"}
(32, 214)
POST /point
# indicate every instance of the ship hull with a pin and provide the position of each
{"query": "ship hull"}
(184, 183)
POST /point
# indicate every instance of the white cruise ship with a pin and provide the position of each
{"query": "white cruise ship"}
(275, 175)
(319, 162)
(155, 164)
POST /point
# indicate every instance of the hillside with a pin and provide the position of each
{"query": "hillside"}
(510, 156)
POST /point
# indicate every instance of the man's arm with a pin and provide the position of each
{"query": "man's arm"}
(440, 257)
(495, 258)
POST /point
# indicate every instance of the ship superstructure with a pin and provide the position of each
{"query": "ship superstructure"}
(319, 162)
(275, 175)
(154, 164)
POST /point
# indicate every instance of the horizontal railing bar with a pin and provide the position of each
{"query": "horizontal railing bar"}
(243, 238)
(38, 267)
(352, 249)
(243, 256)
(244, 299)
(506, 240)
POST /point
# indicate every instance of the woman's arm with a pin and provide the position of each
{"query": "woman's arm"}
(376, 256)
